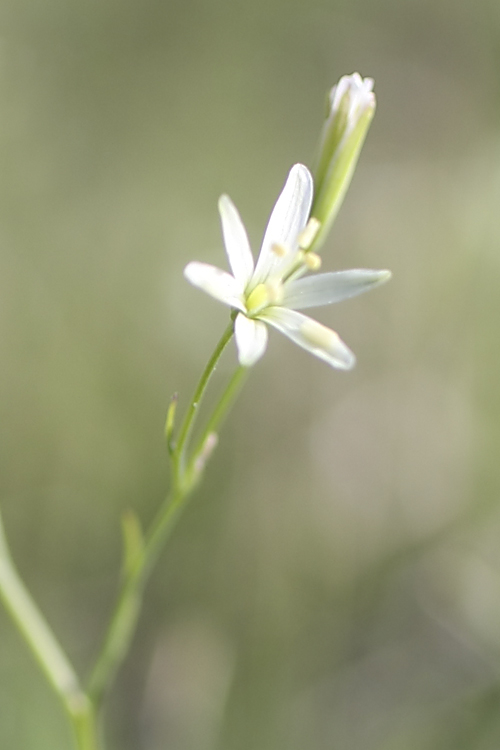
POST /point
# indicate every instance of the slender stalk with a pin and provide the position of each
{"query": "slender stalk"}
(85, 727)
(220, 411)
(118, 637)
(46, 650)
(179, 453)
(124, 619)
(81, 705)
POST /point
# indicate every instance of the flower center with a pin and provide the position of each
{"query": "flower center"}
(264, 295)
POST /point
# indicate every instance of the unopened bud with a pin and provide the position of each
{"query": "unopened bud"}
(352, 105)
(170, 421)
(206, 451)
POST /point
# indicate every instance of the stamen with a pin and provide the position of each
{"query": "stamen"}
(279, 250)
(275, 292)
(312, 261)
(308, 234)
(299, 257)
(291, 265)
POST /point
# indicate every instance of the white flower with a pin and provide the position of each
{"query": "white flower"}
(271, 292)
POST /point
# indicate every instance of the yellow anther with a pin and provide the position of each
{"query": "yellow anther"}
(278, 249)
(308, 234)
(258, 298)
(312, 261)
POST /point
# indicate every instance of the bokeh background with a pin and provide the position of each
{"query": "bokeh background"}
(336, 583)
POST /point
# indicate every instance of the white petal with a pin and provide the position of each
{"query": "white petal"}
(310, 335)
(236, 241)
(251, 339)
(219, 284)
(325, 288)
(288, 219)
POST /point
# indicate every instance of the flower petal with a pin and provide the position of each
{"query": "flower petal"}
(236, 241)
(219, 284)
(310, 335)
(325, 288)
(251, 339)
(287, 220)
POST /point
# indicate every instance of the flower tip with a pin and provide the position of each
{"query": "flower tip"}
(191, 272)
(187, 270)
(301, 173)
(298, 168)
(349, 363)
(301, 180)
(384, 276)
(354, 84)
(224, 200)
(366, 83)
(357, 80)
(345, 358)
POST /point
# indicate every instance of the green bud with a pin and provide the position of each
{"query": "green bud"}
(170, 422)
(351, 109)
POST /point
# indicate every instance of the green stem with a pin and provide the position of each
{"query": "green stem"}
(85, 727)
(81, 705)
(124, 619)
(46, 650)
(220, 411)
(179, 454)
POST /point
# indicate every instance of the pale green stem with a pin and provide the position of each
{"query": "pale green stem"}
(124, 619)
(46, 650)
(220, 411)
(81, 705)
(179, 453)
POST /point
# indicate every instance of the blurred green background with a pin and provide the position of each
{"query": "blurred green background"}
(336, 583)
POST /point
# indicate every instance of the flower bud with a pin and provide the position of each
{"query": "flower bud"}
(170, 422)
(207, 449)
(350, 111)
